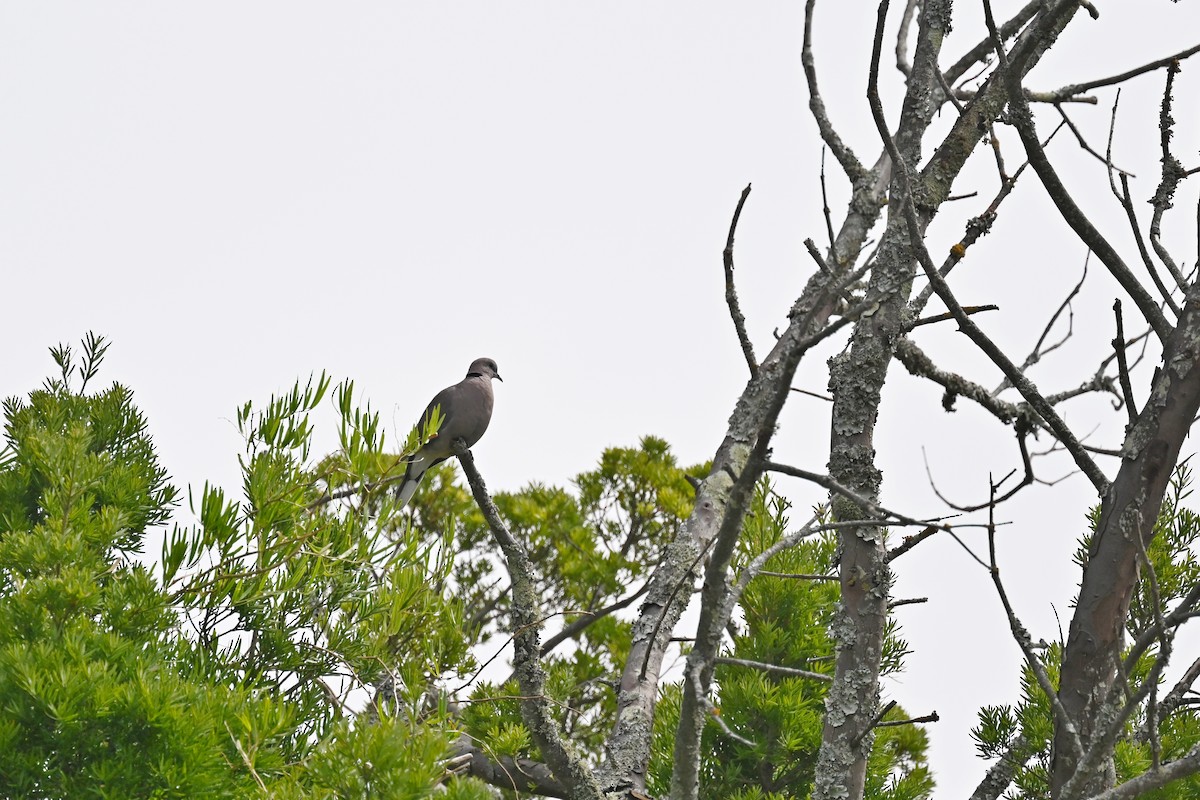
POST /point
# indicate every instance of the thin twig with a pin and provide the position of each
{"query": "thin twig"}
(868, 506)
(909, 542)
(949, 92)
(246, 760)
(1037, 353)
(817, 395)
(1088, 148)
(902, 62)
(775, 669)
(948, 316)
(731, 298)
(841, 151)
(687, 576)
(1026, 387)
(1074, 89)
(714, 714)
(930, 717)
(800, 576)
(976, 228)
(581, 624)
(1131, 215)
(1027, 479)
(825, 211)
(980, 52)
(1123, 365)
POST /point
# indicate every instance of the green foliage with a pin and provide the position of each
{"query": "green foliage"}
(390, 759)
(234, 674)
(305, 639)
(1027, 728)
(93, 704)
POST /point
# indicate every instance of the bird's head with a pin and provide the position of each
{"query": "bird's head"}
(481, 367)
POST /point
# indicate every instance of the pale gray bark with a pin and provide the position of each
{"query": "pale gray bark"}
(856, 381)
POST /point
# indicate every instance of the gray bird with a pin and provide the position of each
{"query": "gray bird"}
(466, 409)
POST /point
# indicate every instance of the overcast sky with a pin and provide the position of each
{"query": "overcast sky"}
(240, 194)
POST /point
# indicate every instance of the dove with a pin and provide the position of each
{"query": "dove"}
(466, 410)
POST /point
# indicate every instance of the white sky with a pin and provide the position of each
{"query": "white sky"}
(239, 194)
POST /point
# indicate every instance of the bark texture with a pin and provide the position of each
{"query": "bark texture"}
(856, 380)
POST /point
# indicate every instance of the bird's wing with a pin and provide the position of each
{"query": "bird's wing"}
(466, 409)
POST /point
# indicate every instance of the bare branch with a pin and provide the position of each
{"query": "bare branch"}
(948, 316)
(1026, 480)
(817, 395)
(1182, 612)
(1076, 88)
(976, 228)
(1034, 96)
(910, 542)
(1023, 385)
(506, 772)
(875, 721)
(775, 669)
(800, 576)
(1000, 775)
(1123, 365)
(1174, 698)
(715, 521)
(582, 624)
(825, 212)
(895, 723)
(918, 363)
(566, 764)
(714, 714)
(731, 298)
(1105, 160)
(1131, 215)
(906, 19)
(1172, 174)
(1038, 352)
(841, 151)
(1155, 778)
(869, 507)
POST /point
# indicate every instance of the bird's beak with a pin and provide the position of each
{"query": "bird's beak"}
(499, 378)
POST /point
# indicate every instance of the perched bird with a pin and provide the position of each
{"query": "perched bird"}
(466, 409)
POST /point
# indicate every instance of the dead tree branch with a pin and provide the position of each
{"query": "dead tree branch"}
(1172, 174)
(1077, 88)
(774, 669)
(506, 772)
(567, 765)
(1154, 778)
(731, 298)
(1123, 365)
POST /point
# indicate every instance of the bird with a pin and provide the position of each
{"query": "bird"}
(466, 410)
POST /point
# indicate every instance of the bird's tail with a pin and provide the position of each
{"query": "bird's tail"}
(412, 479)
